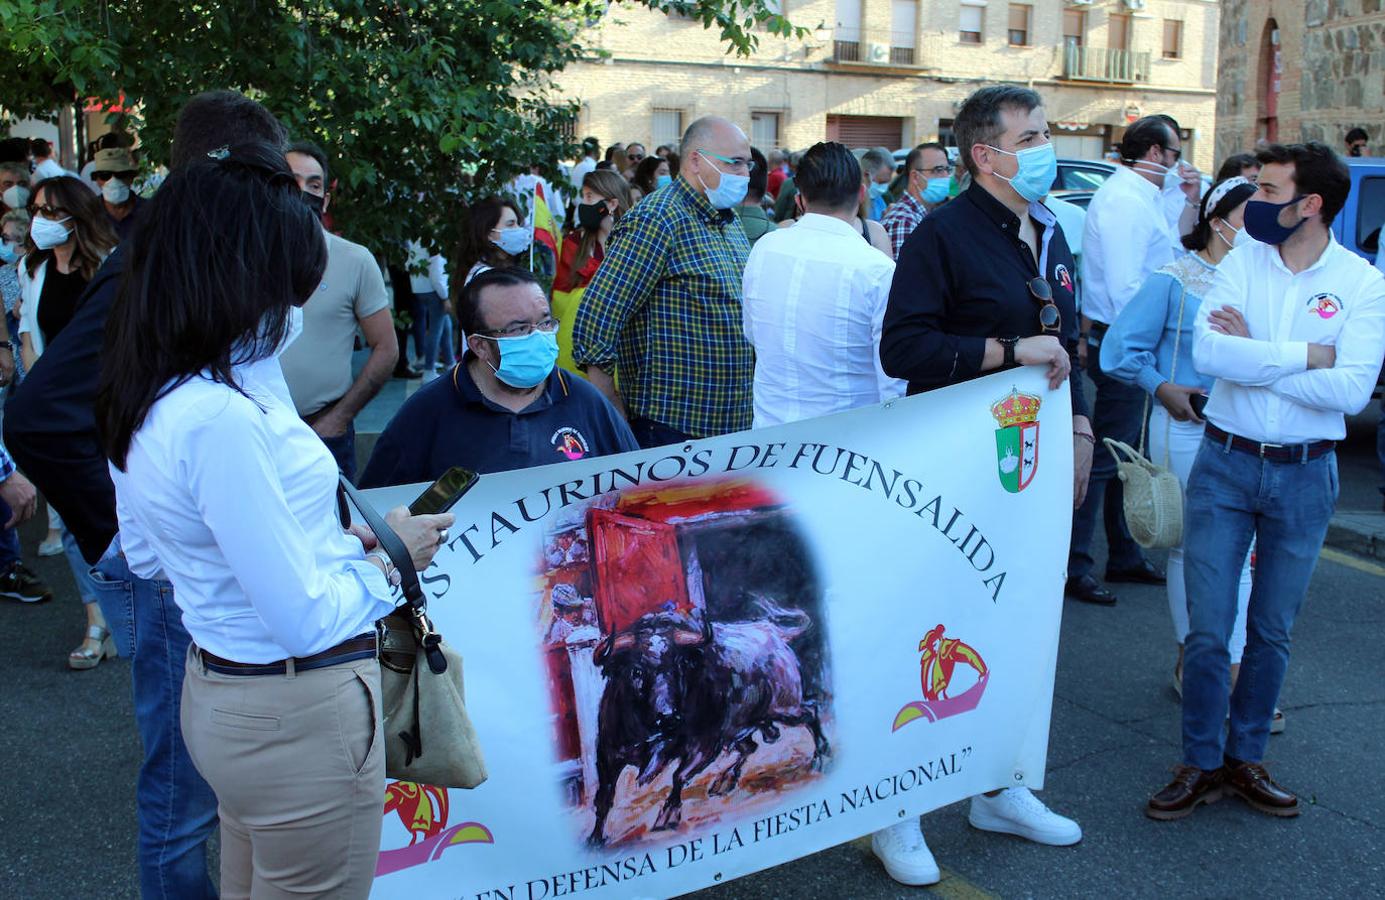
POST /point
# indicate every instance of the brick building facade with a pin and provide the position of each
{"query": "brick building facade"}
(1295, 70)
(893, 72)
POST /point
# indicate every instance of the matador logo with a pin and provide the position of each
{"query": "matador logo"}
(422, 809)
(937, 665)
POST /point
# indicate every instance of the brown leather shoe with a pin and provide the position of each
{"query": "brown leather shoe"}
(1253, 784)
(1190, 786)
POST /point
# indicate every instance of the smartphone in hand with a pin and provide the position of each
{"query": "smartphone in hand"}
(1198, 402)
(444, 493)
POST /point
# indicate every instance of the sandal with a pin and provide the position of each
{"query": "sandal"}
(85, 658)
(1277, 723)
(1178, 681)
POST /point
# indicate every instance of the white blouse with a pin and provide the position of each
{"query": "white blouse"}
(234, 500)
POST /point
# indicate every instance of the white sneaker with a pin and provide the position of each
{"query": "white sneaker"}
(52, 547)
(905, 854)
(1017, 811)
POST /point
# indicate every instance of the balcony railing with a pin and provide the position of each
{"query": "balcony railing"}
(846, 45)
(902, 56)
(1101, 64)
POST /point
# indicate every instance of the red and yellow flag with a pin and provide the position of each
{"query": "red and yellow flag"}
(545, 227)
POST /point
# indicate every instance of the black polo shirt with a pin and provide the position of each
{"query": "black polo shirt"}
(962, 277)
(449, 423)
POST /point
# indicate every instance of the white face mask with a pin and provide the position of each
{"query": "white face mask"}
(1172, 180)
(115, 191)
(15, 196)
(47, 233)
(1239, 237)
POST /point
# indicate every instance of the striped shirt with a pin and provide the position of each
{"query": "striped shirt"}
(664, 311)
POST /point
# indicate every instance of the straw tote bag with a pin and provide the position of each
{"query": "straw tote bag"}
(1153, 496)
(429, 738)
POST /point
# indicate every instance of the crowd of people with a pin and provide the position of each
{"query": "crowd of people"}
(188, 400)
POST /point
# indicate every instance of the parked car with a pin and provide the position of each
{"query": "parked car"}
(1082, 174)
(1357, 226)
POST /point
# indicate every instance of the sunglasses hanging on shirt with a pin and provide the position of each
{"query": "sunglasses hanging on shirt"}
(1049, 318)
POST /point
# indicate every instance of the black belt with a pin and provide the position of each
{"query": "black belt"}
(1096, 331)
(362, 646)
(1272, 452)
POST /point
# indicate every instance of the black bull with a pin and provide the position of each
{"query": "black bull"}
(675, 692)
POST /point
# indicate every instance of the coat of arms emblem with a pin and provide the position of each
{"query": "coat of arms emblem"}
(1017, 439)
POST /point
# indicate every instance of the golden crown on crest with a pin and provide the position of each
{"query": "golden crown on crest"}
(1016, 409)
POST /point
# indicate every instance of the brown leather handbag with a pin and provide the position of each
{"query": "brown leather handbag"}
(429, 738)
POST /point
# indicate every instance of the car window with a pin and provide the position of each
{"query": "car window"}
(1075, 179)
(1370, 213)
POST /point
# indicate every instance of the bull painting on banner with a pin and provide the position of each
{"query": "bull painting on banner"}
(691, 663)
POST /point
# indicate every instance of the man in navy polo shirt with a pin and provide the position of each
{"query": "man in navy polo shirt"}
(504, 406)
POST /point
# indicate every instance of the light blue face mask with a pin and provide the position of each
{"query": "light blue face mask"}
(877, 188)
(526, 361)
(1038, 166)
(514, 241)
(8, 252)
(663, 181)
(730, 192)
(936, 190)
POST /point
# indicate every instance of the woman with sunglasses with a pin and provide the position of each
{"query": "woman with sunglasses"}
(69, 238)
(1151, 345)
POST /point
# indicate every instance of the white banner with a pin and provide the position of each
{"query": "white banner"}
(692, 663)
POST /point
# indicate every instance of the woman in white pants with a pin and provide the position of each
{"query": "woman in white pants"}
(1151, 345)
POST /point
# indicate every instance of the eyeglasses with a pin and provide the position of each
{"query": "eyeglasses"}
(1049, 318)
(105, 176)
(635, 157)
(48, 211)
(735, 162)
(936, 172)
(1177, 154)
(522, 329)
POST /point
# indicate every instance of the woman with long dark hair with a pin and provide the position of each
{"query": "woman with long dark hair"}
(1151, 345)
(495, 239)
(69, 237)
(605, 198)
(223, 488)
(652, 174)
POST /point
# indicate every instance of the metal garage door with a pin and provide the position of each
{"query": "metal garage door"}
(866, 131)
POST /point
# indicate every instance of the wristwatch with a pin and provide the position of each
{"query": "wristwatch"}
(7, 345)
(1008, 345)
(391, 573)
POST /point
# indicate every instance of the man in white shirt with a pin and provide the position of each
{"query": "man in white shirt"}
(1126, 237)
(428, 281)
(591, 152)
(352, 295)
(1293, 329)
(45, 166)
(814, 299)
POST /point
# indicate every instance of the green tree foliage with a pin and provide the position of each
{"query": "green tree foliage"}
(435, 99)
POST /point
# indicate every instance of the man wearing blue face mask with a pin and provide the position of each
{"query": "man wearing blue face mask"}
(1293, 330)
(665, 307)
(985, 284)
(504, 406)
(877, 170)
(927, 179)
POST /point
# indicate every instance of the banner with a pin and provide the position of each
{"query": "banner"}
(691, 663)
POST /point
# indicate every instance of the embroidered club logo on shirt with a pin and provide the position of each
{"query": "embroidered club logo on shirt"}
(569, 442)
(1060, 272)
(1324, 306)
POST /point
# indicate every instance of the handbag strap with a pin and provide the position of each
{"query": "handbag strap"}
(389, 542)
(1173, 369)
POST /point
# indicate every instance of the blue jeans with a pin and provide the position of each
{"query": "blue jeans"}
(1380, 442)
(9, 539)
(437, 345)
(650, 434)
(343, 449)
(176, 809)
(1117, 413)
(81, 572)
(1234, 496)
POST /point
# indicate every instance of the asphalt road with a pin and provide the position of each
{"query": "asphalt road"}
(67, 826)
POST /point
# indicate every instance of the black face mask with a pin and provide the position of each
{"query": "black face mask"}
(1355, 150)
(590, 215)
(315, 203)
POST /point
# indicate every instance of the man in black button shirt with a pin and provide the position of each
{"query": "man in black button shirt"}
(975, 290)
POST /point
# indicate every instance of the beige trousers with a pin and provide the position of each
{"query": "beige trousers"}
(298, 765)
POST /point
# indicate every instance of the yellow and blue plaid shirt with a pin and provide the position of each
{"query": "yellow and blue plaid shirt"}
(664, 310)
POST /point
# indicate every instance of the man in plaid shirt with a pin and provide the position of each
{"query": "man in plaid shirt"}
(926, 186)
(664, 308)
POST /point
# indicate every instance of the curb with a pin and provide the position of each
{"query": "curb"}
(1361, 533)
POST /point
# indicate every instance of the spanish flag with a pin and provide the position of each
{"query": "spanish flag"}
(545, 228)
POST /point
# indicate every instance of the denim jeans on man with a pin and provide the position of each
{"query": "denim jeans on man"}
(1234, 496)
(176, 809)
(343, 450)
(650, 434)
(438, 342)
(1117, 413)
